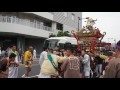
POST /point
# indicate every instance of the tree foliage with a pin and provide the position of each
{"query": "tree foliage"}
(52, 35)
(65, 33)
(60, 34)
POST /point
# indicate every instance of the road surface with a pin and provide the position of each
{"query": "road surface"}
(35, 69)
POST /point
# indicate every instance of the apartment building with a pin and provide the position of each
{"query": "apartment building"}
(31, 28)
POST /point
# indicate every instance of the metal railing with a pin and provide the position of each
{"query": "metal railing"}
(26, 22)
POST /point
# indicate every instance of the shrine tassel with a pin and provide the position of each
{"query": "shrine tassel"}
(97, 34)
(93, 44)
(100, 41)
(78, 47)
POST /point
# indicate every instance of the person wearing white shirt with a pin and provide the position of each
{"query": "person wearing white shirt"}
(86, 62)
(12, 67)
(42, 56)
(34, 53)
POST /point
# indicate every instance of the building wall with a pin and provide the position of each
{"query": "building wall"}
(21, 23)
(20, 29)
(27, 24)
(21, 42)
(43, 14)
(36, 43)
(68, 28)
(67, 21)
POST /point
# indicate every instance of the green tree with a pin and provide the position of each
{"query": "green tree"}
(61, 34)
(67, 33)
(52, 35)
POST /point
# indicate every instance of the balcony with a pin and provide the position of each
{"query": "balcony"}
(26, 22)
(13, 24)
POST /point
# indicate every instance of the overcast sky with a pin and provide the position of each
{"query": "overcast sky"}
(108, 22)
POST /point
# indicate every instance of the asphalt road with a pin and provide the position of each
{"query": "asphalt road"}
(35, 70)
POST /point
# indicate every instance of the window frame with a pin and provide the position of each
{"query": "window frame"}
(73, 16)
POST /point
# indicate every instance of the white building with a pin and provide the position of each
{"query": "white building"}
(32, 28)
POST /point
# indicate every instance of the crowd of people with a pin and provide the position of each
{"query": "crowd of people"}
(12, 58)
(70, 63)
(66, 63)
(62, 63)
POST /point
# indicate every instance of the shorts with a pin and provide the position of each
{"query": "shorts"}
(28, 63)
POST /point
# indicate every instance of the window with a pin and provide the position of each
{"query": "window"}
(34, 23)
(13, 19)
(59, 27)
(8, 19)
(65, 14)
(1, 18)
(73, 16)
(4, 18)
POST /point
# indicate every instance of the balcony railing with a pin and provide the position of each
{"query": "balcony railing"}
(26, 22)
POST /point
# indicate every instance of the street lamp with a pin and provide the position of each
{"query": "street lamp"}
(78, 22)
(113, 39)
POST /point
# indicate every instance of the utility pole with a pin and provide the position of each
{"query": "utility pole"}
(108, 40)
(78, 23)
